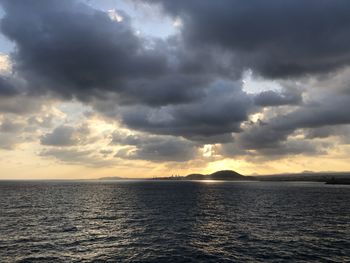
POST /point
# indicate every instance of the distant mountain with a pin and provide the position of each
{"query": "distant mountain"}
(227, 175)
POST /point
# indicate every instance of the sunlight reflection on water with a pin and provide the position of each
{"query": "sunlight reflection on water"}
(151, 221)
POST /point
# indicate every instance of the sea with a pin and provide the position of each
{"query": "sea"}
(173, 221)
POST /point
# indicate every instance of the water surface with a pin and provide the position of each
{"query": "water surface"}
(174, 221)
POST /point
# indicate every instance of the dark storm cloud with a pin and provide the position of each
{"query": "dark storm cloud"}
(14, 99)
(262, 136)
(273, 98)
(74, 50)
(278, 150)
(154, 148)
(323, 132)
(342, 132)
(168, 89)
(7, 88)
(214, 117)
(332, 110)
(293, 147)
(183, 89)
(70, 49)
(313, 120)
(275, 38)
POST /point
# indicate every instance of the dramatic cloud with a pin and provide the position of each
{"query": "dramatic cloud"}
(172, 96)
(312, 120)
(218, 114)
(272, 98)
(7, 89)
(75, 51)
(154, 148)
(329, 111)
(275, 38)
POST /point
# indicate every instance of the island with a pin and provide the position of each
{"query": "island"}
(225, 175)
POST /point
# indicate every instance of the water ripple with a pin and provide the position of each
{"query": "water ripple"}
(174, 222)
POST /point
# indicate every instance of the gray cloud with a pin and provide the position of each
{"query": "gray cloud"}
(69, 49)
(12, 132)
(10, 126)
(273, 149)
(273, 98)
(314, 120)
(183, 91)
(262, 136)
(20, 104)
(7, 89)
(218, 114)
(294, 147)
(322, 132)
(74, 50)
(326, 111)
(61, 136)
(77, 157)
(342, 132)
(154, 148)
(275, 38)
(66, 135)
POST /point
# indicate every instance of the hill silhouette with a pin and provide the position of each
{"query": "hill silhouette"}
(219, 175)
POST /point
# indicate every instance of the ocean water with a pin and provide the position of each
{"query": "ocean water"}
(174, 221)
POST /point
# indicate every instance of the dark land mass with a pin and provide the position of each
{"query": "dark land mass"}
(229, 175)
(338, 181)
(226, 175)
(327, 177)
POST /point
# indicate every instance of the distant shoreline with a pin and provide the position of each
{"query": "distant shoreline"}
(331, 178)
(228, 175)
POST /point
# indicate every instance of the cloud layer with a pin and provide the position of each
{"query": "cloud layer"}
(275, 38)
(175, 95)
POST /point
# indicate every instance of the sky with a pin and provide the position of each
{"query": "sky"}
(95, 88)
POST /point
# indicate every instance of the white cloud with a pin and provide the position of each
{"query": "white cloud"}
(114, 15)
(5, 64)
